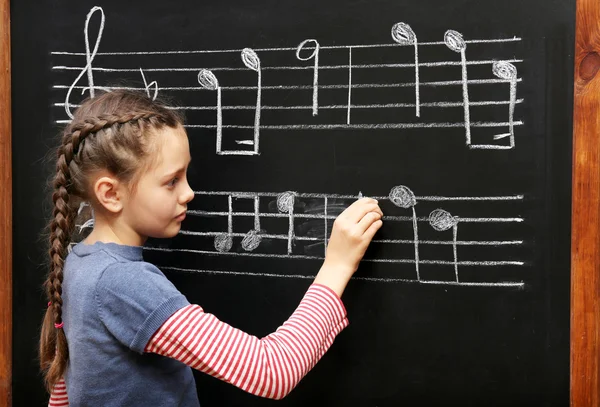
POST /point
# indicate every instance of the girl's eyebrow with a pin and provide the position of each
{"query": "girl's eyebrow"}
(177, 171)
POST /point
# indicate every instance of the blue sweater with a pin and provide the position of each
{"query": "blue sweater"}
(113, 302)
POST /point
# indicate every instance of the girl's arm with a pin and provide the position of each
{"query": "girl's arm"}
(269, 367)
(59, 398)
(272, 366)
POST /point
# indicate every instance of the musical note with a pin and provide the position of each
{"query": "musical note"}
(253, 238)
(209, 81)
(315, 57)
(224, 241)
(148, 85)
(455, 42)
(309, 50)
(288, 207)
(252, 62)
(403, 197)
(89, 58)
(507, 71)
(442, 220)
(404, 35)
(285, 204)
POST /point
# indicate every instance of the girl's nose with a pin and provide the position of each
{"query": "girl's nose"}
(188, 193)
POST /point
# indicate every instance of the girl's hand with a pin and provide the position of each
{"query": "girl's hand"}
(352, 232)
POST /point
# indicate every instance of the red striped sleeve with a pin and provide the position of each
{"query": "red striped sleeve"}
(269, 367)
(59, 398)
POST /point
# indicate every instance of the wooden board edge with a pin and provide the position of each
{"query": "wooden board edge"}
(585, 227)
(5, 208)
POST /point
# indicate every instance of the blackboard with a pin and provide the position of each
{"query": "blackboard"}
(455, 115)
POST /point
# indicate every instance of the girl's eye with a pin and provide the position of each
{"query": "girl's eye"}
(173, 182)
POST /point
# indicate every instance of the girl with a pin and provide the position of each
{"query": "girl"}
(117, 332)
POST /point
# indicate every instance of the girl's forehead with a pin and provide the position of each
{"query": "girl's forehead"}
(173, 148)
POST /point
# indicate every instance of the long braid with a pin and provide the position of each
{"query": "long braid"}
(53, 342)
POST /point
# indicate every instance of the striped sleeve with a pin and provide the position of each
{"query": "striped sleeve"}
(269, 367)
(59, 398)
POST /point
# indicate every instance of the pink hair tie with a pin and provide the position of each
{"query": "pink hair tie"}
(59, 326)
(49, 304)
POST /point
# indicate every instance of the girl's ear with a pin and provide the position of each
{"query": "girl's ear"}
(109, 192)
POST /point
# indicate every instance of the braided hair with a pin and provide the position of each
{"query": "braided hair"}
(114, 131)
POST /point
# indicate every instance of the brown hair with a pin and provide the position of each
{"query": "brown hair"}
(113, 131)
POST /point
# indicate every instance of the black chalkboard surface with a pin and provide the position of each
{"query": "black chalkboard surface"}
(453, 114)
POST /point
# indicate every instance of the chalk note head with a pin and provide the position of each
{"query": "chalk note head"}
(252, 240)
(403, 34)
(504, 70)
(314, 45)
(250, 59)
(285, 202)
(402, 197)
(208, 80)
(223, 242)
(442, 220)
(454, 40)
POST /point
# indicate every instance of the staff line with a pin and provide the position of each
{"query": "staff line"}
(373, 279)
(349, 127)
(342, 196)
(344, 106)
(391, 241)
(296, 87)
(428, 43)
(358, 126)
(313, 216)
(307, 257)
(289, 67)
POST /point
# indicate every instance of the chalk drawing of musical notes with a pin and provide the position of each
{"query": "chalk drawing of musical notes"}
(252, 62)
(442, 220)
(404, 35)
(147, 86)
(288, 209)
(315, 57)
(209, 81)
(507, 71)
(355, 59)
(253, 238)
(285, 204)
(455, 42)
(224, 241)
(89, 56)
(403, 197)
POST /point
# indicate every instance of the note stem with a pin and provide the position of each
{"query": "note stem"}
(257, 113)
(230, 216)
(465, 96)
(325, 234)
(349, 83)
(291, 228)
(416, 240)
(454, 238)
(256, 212)
(219, 121)
(417, 86)
(511, 110)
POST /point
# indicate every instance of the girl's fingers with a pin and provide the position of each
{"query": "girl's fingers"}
(355, 212)
(375, 226)
(365, 223)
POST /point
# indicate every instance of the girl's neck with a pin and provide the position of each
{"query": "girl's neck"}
(107, 234)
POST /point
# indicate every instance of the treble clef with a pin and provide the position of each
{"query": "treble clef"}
(89, 56)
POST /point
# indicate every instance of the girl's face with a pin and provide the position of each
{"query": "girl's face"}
(158, 205)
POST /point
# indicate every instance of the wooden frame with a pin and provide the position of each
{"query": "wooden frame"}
(585, 245)
(5, 209)
(585, 226)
